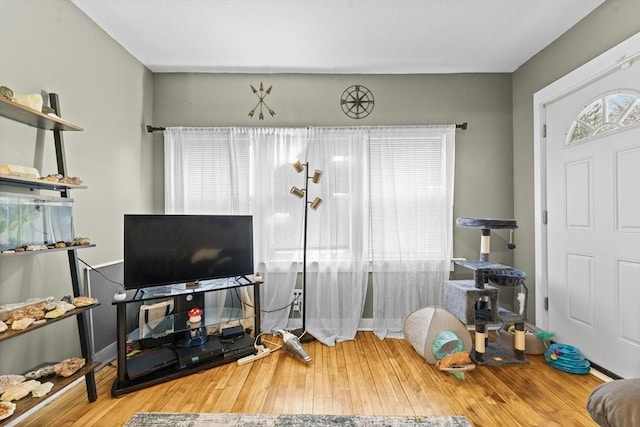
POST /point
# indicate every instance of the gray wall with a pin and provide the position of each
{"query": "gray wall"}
(52, 46)
(613, 22)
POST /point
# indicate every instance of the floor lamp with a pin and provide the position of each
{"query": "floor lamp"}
(304, 193)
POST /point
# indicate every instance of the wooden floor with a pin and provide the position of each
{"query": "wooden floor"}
(363, 376)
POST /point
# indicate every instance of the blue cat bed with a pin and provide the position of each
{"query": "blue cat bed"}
(424, 327)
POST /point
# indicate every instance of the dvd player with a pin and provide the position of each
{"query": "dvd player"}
(188, 356)
(239, 346)
(150, 361)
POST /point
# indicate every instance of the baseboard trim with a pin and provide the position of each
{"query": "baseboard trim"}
(602, 373)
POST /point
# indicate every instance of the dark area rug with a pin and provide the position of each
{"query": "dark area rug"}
(259, 420)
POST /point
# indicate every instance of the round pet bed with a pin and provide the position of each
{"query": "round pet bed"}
(423, 326)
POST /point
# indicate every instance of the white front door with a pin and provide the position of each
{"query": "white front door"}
(593, 229)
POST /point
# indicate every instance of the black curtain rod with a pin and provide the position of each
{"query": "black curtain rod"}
(153, 129)
(150, 128)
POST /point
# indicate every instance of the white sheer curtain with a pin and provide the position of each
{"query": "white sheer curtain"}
(388, 195)
(411, 221)
(338, 234)
(207, 171)
(277, 223)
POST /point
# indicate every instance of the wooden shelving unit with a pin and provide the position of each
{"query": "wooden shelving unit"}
(54, 123)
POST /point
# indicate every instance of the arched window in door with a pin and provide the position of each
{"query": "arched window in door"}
(606, 114)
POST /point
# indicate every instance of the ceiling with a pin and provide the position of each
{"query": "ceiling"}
(335, 36)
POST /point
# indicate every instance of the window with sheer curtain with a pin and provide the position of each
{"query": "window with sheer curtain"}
(388, 197)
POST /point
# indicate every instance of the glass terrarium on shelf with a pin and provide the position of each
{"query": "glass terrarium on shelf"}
(34, 220)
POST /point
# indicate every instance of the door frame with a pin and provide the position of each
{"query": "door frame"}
(575, 80)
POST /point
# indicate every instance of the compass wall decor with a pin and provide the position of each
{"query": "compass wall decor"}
(357, 101)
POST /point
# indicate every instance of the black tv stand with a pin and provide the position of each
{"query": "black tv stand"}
(172, 360)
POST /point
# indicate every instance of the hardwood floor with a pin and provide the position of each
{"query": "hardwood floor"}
(363, 376)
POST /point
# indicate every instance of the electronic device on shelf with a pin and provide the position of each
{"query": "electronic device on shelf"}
(233, 331)
(151, 361)
(171, 249)
(232, 343)
(237, 347)
(208, 350)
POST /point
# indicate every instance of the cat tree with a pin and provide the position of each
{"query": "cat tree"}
(475, 302)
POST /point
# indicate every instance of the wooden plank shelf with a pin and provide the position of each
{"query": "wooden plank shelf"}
(27, 116)
(37, 184)
(25, 404)
(10, 333)
(45, 251)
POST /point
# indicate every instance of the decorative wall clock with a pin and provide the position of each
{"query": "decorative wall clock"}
(357, 101)
(261, 94)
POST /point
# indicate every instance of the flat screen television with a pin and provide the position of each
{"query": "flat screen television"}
(172, 249)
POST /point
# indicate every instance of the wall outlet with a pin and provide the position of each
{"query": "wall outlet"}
(297, 305)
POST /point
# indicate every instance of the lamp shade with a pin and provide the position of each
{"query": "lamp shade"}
(315, 203)
(297, 192)
(299, 167)
(317, 174)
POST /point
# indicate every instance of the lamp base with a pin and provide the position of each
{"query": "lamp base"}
(307, 337)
